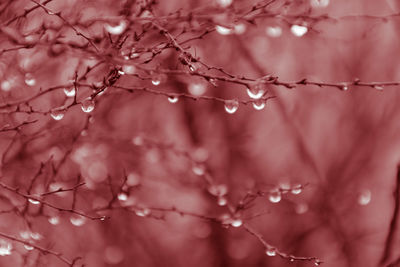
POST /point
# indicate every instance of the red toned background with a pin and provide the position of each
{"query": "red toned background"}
(128, 137)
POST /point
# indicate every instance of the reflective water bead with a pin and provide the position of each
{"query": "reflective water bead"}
(6, 86)
(345, 87)
(87, 105)
(36, 236)
(54, 220)
(77, 220)
(378, 87)
(173, 99)
(296, 190)
(365, 197)
(275, 196)
(122, 196)
(231, 106)
(239, 28)
(69, 91)
(5, 248)
(319, 3)
(273, 31)
(156, 81)
(270, 251)
(142, 212)
(27, 247)
(237, 222)
(218, 190)
(197, 89)
(117, 29)
(34, 201)
(199, 169)
(259, 104)
(223, 30)
(30, 80)
(222, 201)
(57, 114)
(298, 30)
(224, 3)
(255, 92)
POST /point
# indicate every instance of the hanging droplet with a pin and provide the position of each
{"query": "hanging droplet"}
(231, 106)
(27, 247)
(197, 89)
(6, 85)
(273, 31)
(122, 196)
(199, 169)
(117, 29)
(155, 81)
(54, 220)
(275, 196)
(87, 105)
(270, 251)
(57, 114)
(173, 99)
(77, 220)
(142, 212)
(239, 28)
(364, 197)
(255, 92)
(298, 30)
(69, 91)
(224, 3)
(259, 104)
(222, 201)
(36, 236)
(296, 190)
(378, 87)
(34, 201)
(5, 248)
(345, 87)
(319, 3)
(223, 30)
(218, 190)
(317, 262)
(30, 80)
(236, 222)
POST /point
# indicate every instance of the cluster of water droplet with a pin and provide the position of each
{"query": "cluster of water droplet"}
(220, 191)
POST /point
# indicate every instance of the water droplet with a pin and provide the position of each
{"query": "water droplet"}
(156, 81)
(34, 201)
(364, 197)
(317, 262)
(319, 3)
(29, 80)
(173, 99)
(36, 236)
(122, 196)
(54, 220)
(5, 248)
(25, 234)
(296, 189)
(218, 190)
(255, 92)
(77, 220)
(275, 196)
(222, 201)
(298, 30)
(192, 68)
(270, 251)
(273, 31)
(117, 29)
(142, 212)
(224, 3)
(129, 69)
(223, 30)
(69, 91)
(57, 114)
(231, 106)
(199, 169)
(259, 104)
(6, 85)
(239, 28)
(138, 141)
(197, 89)
(378, 87)
(87, 105)
(27, 247)
(345, 87)
(237, 223)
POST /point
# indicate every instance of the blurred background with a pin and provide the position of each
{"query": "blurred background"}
(150, 114)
